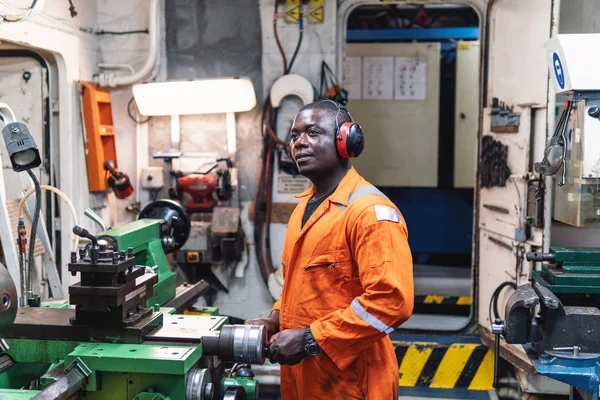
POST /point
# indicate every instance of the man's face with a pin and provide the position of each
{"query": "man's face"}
(313, 142)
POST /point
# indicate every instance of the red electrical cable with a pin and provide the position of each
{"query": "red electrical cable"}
(275, 18)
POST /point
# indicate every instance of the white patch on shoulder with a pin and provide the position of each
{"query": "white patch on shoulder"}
(385, 213)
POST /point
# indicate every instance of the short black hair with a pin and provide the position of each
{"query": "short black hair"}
(333, 108)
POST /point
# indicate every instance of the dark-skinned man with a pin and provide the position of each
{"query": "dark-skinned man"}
(347, 271)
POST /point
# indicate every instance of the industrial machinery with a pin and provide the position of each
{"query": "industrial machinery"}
(204, 187)
(216, 239)
(556, 315)
(575, 145)
(120, 336)
(123, 338)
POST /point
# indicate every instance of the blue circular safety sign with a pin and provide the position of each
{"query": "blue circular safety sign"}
(558, 70)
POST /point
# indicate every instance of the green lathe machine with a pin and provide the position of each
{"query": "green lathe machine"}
(122, 337)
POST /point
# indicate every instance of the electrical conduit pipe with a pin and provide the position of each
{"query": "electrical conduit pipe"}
(109, 79)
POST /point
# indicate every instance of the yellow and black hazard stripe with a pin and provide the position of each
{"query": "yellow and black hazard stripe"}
(449, 305)
(445, 365)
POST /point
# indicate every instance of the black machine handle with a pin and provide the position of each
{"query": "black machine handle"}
(536, 256)
(84, 233)
(497, 330)
(109, 166)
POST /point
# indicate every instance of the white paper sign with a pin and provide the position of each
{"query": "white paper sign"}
(288, 184)
(410, 78)
(378, 78)
(353, 77)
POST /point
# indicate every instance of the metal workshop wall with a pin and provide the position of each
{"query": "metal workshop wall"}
(214, 39)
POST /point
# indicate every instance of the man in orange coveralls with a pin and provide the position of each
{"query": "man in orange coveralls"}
(347, 270)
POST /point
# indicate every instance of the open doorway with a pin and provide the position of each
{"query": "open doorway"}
(412, 75)
(26, 76)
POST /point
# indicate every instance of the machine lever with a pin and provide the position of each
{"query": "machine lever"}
(497, 330)
(84, 233)
(96, 218)
(574, 349)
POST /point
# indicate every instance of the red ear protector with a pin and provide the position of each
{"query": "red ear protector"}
(349, 137)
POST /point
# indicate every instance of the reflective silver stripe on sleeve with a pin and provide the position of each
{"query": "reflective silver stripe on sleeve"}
(385, 213)
(362, 191)
(370, 318)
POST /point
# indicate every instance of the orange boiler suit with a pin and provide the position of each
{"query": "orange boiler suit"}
(348, 275)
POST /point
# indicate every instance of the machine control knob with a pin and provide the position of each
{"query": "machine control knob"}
(239, 343)
(594, 111)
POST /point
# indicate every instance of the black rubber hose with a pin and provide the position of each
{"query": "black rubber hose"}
(34, 224)
(495, 295)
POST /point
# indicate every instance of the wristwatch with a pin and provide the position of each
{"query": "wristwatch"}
(311, 346)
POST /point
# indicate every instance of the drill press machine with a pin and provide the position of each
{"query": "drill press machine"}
(556, 315)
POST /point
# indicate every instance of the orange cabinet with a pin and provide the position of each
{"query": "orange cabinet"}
(99, 135)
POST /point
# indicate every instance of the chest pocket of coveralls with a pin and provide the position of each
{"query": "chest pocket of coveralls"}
(325, 285)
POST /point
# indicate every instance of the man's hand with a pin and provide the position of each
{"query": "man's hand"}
(287, 347)
(271, 323)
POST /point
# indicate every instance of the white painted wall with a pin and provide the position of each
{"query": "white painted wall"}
(131, 139)
(75, 54)
(518, 76)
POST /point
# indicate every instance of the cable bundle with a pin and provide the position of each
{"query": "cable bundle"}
(271, 144)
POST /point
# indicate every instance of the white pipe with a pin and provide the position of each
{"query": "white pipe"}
(175, 132)
(117, 66)
(62, 196)
(231, 135)
(7, 114)
(109, 79)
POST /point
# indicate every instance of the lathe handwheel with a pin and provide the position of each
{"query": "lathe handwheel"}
(177, 219)
(8, 300)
